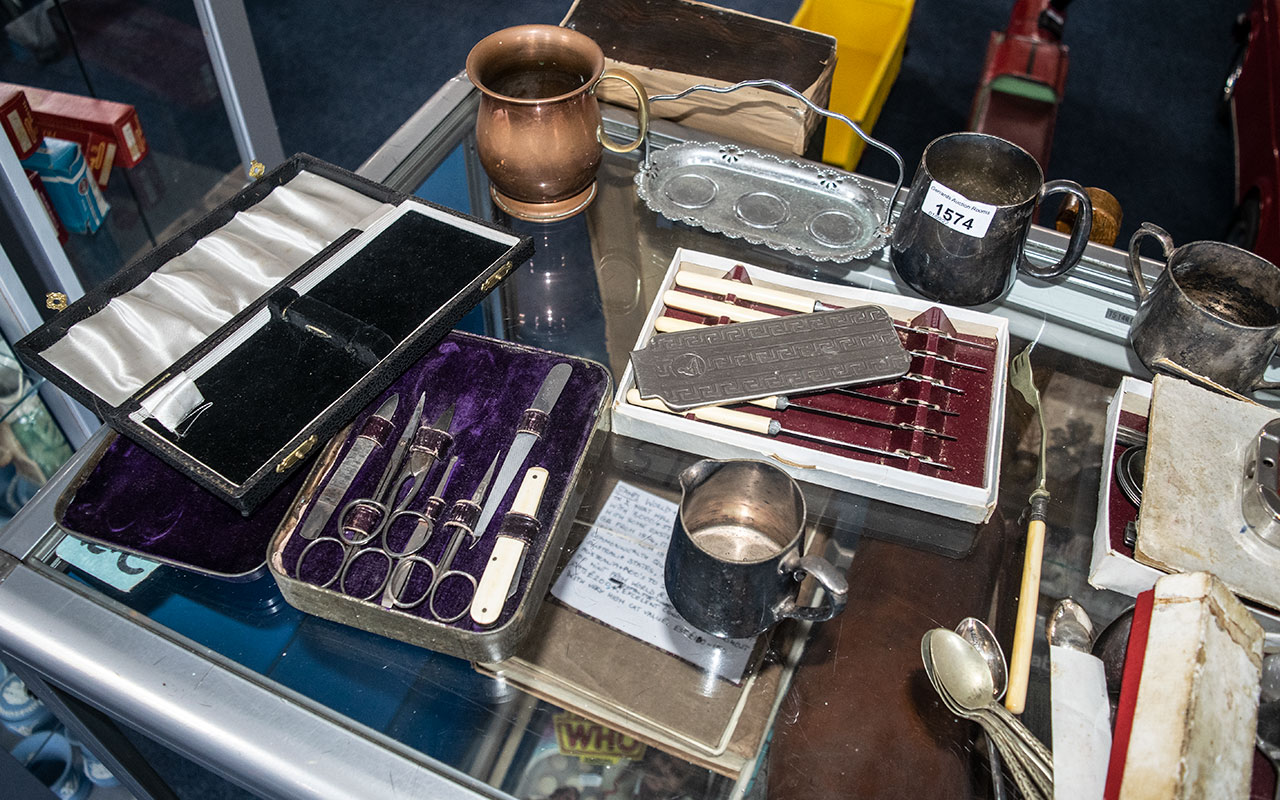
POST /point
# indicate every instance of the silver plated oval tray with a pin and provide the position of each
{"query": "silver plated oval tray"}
(809, 210)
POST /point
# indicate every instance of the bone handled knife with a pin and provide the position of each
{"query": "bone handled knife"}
(500, 578)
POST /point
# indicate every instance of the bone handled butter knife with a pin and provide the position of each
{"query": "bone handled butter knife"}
(531, 423)
(375, 433)
(500, 578)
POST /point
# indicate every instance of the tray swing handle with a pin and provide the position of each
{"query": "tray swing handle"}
(886, 228)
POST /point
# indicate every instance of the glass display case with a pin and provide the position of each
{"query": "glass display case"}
(290, 705)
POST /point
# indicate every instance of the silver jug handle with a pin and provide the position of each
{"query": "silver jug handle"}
(886, 228)
(1079, 232)
(1135, 258)
(833, 581)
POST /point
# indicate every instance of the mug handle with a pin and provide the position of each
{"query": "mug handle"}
(642, 110)
(832, 580)
(1079, 233)
(1135, 258)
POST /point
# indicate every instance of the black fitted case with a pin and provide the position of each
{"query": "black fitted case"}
(294, 367)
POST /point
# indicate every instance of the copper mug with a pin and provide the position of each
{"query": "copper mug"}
(538, 132)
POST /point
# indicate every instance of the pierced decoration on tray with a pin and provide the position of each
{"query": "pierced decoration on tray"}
(821, 213)
(830, 179)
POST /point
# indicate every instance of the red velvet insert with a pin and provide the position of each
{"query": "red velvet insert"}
(1120, 512)
(971, 405)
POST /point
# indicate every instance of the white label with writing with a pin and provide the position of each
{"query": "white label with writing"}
(131, 141)
(19, 131)
(958, 212)
(616, 576)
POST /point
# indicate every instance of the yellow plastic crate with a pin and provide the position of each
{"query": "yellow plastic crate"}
(870, 37)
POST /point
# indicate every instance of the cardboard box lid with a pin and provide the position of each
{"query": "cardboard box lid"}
(54, 155)
(671, 45)
(235, 348)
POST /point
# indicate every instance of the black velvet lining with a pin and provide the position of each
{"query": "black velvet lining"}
(272, 386)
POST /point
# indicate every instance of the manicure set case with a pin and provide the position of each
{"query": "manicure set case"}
(234, 349)
(490, 386)
(357, 289)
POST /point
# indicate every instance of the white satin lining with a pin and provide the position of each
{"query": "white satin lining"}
(144, 331)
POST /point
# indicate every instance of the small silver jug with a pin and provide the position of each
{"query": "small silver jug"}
(1214, 310)
(734, 565)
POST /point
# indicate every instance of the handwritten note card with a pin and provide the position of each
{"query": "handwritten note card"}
(616, 577)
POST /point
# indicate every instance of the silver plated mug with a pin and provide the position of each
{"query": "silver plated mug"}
(961, 234)
(1214, 310)
(734, 566)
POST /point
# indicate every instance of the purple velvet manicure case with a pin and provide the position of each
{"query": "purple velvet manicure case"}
(238, 346)
(490, 385)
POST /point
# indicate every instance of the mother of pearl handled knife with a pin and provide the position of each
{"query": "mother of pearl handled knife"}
(519, 526)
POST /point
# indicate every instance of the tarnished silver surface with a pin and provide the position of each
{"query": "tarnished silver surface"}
(806, 209)
(779, 356)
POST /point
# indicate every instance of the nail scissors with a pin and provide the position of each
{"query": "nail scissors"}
(459, 522)
(364, 519)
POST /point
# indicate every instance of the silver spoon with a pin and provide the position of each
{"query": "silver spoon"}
(975, 632)
(997, 740)
(962, 672)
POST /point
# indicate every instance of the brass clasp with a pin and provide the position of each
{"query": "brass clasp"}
(493, 280)
(302, 451)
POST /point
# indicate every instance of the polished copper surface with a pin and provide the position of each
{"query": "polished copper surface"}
(536, 128)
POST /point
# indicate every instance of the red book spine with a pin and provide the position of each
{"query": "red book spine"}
(1135, 654)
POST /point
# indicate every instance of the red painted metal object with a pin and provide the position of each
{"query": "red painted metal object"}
(1023, 78)
(1252, 92)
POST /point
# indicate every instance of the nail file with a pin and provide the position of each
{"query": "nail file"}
(376, 433)
(500, 578)
(531, 427)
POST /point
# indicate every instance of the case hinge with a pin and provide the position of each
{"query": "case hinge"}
(302, 451)
(493, 280)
